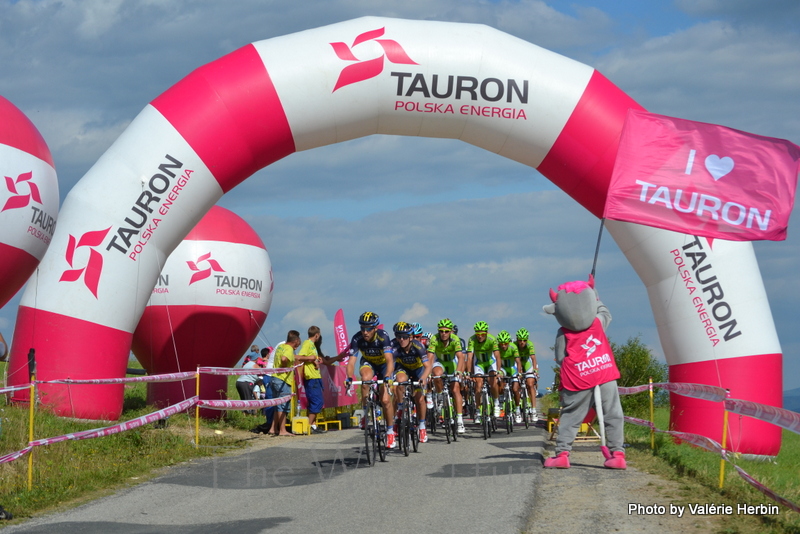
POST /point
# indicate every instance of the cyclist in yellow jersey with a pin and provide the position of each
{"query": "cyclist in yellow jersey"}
(509, 367)
(482, 358)
(448, 354)
(530, 368)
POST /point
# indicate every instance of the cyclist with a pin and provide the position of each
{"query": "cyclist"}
(527, 356)
(412, 362)
(509, 367)
(482, 357)
(417, 331)
(377, 361)
(448, 354)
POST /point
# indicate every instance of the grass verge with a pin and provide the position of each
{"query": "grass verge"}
(73, 472)
(698, 472)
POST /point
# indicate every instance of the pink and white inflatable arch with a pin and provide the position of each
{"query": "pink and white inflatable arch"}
(28, 199)
(368, 76)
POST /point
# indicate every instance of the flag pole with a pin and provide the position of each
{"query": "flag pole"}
(597, 248)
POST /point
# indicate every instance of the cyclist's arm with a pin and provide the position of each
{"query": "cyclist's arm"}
(389, 363)
(460, 363)
(520, 369)
(427, 370)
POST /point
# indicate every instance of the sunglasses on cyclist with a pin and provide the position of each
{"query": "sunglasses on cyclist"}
(444, 330)
(403, 336)
(367, 328)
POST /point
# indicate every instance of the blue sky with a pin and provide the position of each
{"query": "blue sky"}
(420, 229)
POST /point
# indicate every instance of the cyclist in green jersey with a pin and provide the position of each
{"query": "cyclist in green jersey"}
(530, 368)
(482, 357)
(509, 366)
(446, 350)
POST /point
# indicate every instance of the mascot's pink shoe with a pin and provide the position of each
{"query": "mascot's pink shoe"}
(559, 461)
(617, 461)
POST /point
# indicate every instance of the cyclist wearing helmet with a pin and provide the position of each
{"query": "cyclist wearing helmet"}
(377, 361)
(417, 332)
(448, 352)
(509, 366)
(482, 357)
(412, 363)
(527, 356)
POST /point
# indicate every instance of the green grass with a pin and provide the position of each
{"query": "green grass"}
(71, 472)
(700, 470)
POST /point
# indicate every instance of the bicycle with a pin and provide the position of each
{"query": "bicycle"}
(409, 424)
(468, 394)
(447, 408)
(375, 444)
(508, 403)
(486, 410)
(525, 403)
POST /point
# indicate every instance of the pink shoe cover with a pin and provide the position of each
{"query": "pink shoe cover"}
(559, 461)
(606, 453)
(617, 461)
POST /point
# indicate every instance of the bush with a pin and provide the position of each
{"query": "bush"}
(637, 365)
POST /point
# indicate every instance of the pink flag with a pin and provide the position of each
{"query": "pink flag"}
(340, 334)
(702, 179)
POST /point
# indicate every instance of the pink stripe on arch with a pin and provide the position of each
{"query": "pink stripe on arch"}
(230, 114)
(582, 158)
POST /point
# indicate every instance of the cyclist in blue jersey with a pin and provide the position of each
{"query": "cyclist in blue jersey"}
(412, 363)
(377, 361)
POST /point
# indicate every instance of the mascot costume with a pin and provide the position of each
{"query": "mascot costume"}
(588, 370)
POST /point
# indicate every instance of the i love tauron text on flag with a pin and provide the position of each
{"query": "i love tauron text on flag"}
(702, 179)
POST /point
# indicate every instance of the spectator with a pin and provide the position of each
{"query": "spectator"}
(282, 382)
(253, 355)
(246, 383)
(267, 356)
(312, 378)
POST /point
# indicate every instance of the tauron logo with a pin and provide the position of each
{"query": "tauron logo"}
(19, 200)
(366, 69)
(94, 267)
(202, 274)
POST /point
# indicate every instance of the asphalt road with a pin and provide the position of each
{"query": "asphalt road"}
(309, 484)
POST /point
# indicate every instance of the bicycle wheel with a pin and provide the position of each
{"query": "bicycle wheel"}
(415, 432)
(524, 403)
(445, 414)
(452, 420)
(380, 440)
(485, 418)
(509, 409)
(430, 419)
(370, 445)
(405, 429)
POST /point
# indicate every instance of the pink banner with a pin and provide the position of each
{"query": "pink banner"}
(169, 377)
(765, 490)
(239, 371)
(334, 378)
(702, 179)
(340, 335)
(772, 414)
(14, 455)
(115, 429)
(698, 391)
(242, 405)
(640, 422)
(11, 389)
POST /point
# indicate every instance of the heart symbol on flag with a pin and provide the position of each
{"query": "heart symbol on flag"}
(718, 167)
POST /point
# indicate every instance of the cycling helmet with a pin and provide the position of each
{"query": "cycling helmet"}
(504, 337)
(445, 323)
(455, 329)
(369, 319)
(481, 326)
(417, 329)
(427, 335)
(403, 328)
(523, 334)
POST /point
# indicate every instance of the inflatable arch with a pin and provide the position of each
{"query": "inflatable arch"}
(231, 117)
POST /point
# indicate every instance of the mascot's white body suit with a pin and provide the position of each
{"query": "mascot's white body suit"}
(584, 354)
